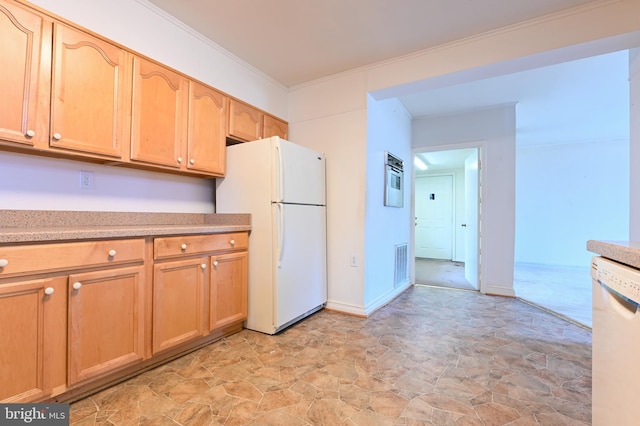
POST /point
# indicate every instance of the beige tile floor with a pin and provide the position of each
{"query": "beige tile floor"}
(565, 291)
(433, 356)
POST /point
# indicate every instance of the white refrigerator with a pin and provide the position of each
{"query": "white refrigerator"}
(282, 186)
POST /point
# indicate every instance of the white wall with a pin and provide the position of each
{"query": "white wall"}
(634, 145)
(568, 194)
(388, 129)
(34, 183)
(496, 126)
(331, 117)
(50, 184)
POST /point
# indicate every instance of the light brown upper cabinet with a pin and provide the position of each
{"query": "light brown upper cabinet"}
(67, 92)
(245, 121)
(273, 127)
(25, 38)
(90, 94)
(206, 129)
(157, 120)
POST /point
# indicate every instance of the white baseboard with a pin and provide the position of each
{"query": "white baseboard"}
(376, 304)
(496, 290)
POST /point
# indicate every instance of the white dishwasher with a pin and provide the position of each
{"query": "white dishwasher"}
(615, 344)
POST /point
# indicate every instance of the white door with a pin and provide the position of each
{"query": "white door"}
(300, 260)
(471, 166)
(434, 217)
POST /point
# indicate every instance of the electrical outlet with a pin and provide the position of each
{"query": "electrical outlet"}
(86, 180)
(354, 260)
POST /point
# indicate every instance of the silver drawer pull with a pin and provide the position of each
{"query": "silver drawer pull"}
(3, 263)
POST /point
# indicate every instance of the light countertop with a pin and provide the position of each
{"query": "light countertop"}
(20, 226)
(627, 252)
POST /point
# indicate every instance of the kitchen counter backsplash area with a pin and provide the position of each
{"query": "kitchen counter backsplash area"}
(46, 225)
(627, 252)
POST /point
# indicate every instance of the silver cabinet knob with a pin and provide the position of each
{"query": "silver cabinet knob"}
(203, 266)
(215, 263)
(179, 160)
(57, 136)
(112, 253)
(192, 161)
(3, 263)
(183, 246)
(77, 285)
(49, 291)
(232, 242)
(30, 133)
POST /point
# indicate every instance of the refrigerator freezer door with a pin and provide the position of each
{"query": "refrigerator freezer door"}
(299, 174)
(300, 260)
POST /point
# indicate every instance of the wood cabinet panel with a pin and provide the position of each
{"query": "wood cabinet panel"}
(90, 94)
(274, 127)
(245, 121)
(167, 247)
(158, 116)
(25, 43)
(228, 289)
(179, 302)
(30, 259)
(106, 321)
(207, 129)
(31, 338)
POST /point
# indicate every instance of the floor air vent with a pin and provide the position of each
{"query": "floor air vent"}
(401, 266)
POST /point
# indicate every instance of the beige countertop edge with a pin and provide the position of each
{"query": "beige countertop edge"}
(627, 252)
(22, 235)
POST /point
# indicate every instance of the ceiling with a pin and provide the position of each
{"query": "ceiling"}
(296, 41)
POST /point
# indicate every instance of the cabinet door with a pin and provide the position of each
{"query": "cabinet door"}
(106, 321)
(228, 289)
(24, 86)
(179, 305)
(158, 116)
(89, 103)
(245, 122)
(30, 333)
(207, 129)
(274, 127)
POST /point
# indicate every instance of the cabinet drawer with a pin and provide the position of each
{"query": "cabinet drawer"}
(37, 258)
(166, 247)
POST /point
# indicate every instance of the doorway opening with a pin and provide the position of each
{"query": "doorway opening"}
(446, 203)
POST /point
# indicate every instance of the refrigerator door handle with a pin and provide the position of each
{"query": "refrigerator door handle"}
(279, 174)
(280, 231)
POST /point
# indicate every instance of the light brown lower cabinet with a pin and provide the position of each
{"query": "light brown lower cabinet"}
(106, 321)
(32, 337)
(229, 285)
(179, 304)
(80, 315)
